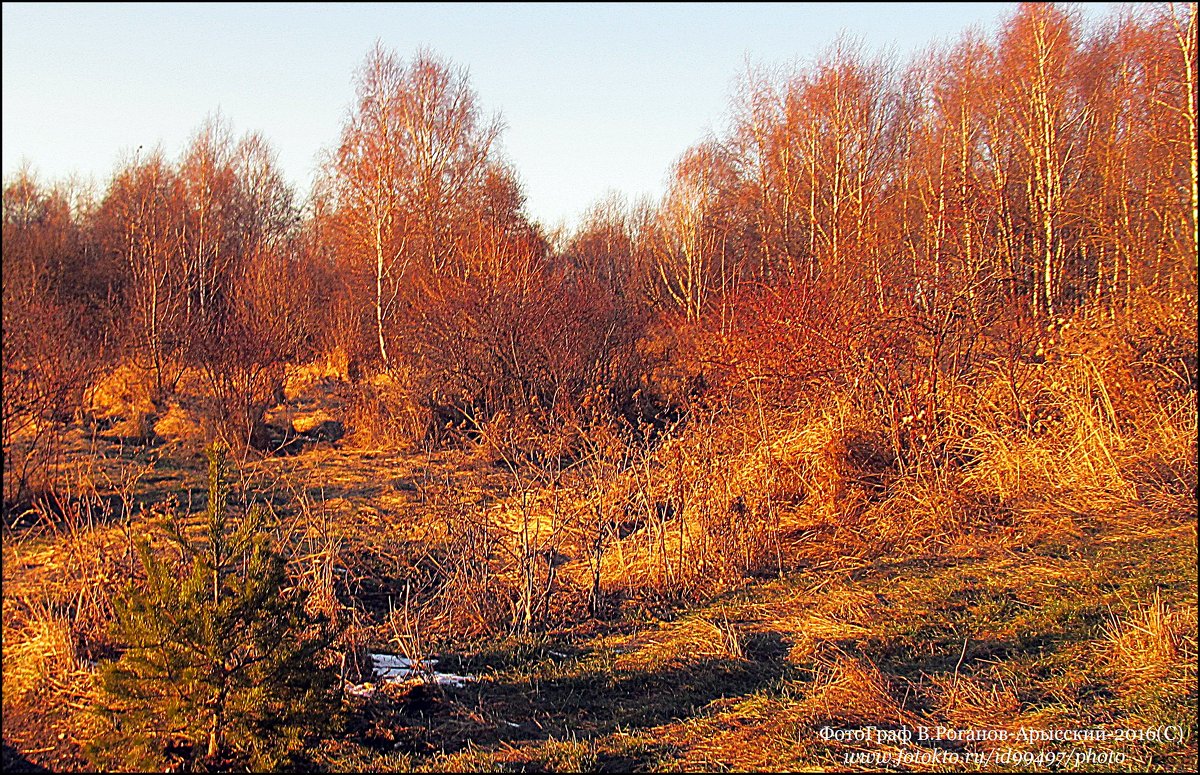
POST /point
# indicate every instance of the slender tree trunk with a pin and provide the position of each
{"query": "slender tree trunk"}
(1186, 39)
(214, 735)
(379, 291)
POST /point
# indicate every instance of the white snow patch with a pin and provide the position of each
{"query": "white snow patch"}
(391, 668)
(452, 679)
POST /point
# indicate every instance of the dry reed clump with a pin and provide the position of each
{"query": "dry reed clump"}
(50, 640)
(747, 493)
(39, 646)
(665, 555)
(647, 525)
(1152, 646)
(463, 583)
(1161, 458)
(77, 575)
(384, 414)
(1160, 334)
(918, 518)
(32, 467)
(864, 460)
(713, 505)
(1098, 415)
(777, 480)
(516, 443)
(97, 563)
(300, 379)
(812, 476)
(469, 604)
(1080, 448)
(120, 395)
(318, 549)
(851, 691)
(851, 498)
(966, 702)
(180, 426)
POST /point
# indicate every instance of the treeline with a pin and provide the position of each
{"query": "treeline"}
(857, 208)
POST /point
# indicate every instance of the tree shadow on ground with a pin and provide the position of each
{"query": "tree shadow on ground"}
(587, 702)
(14, 761)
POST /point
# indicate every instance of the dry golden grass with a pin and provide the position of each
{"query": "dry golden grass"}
(759, 733)
(55, 616)
(1152, 643)
(301, 378)
(122, 394)
(382, 413)
(39, 647)
(966, 702)
(178, 425)
(679, 644)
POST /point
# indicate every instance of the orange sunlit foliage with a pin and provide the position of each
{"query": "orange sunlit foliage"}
(858, 220)
(465, 297)
(55, 322)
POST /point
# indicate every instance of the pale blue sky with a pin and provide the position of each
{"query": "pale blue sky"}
(595, 98)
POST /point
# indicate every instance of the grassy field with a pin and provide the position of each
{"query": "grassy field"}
(759, 588)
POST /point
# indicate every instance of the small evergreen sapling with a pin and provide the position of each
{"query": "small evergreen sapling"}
(222, 664)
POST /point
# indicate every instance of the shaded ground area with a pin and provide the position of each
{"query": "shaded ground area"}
(1031, 636)
(13, 761)
(1057, 618)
